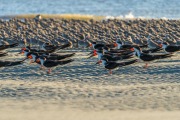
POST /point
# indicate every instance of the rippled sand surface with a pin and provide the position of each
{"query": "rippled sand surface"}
(83, 90)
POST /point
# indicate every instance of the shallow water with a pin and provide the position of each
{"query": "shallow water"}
(122, 8)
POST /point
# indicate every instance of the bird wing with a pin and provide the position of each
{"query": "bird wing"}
(111, 65)
(127, 63)
(148, 57)
(173, 48)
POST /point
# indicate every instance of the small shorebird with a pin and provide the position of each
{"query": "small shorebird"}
(152, 44)
(147, 57)
(51, 63)
(112, 65)
(170, 48)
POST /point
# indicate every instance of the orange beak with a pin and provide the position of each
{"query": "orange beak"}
(132, 49)
(22, 52)
(90, 45)
(23, 48)
(30, 57)
(38, 60)
(100, 61)
(115, 44)
(94, 53)
(160, 45)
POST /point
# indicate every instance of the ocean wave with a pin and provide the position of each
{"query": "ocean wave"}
(130, 15)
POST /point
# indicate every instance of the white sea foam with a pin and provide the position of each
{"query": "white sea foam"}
(130, 15)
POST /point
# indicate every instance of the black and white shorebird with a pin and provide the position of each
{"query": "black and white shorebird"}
(109, 57)
(170, 48)
(152, 50)
(148, 57)
(100, 46)
(51, 63)
(110, 65)
(39, 51)
(116, 51)
(152, 44)
(3, 47)
(50, 47)
(33, 55)
(4, 63)
(122, 46)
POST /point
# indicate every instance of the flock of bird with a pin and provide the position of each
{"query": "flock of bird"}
(111, 56)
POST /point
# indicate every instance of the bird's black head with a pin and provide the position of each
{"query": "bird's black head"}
(27, 51)
(119, 42)
(104, 59)
(47, 44)
(35, 54)
(37, 59)
(106, 48)
(136, 48)
(42, 58)
(100, 51)
(93, 43)
(165, 43)
(28, 47)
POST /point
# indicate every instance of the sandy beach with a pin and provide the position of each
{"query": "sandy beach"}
(82, 90)
(124, 34)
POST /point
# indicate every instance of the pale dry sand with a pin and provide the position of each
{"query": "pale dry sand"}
(52, 113)
(82, 90)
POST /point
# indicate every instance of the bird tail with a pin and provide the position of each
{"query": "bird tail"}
(65, 56)
(124, 57)
(51, 51)
(16, 62)
(64, 46)
(128, 62)
(163, 56)
(152, 50)
(3, 54)
(13, 45)
(70, 55)
(143, 46)
(65, 62)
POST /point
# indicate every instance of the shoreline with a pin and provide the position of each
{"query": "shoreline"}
(55, 16)
(79, 17)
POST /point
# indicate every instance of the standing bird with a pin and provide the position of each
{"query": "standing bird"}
(100, 46)
(170, 48)
(147, 57)
(51, 63)
(101, 55)
(151, 43)
(11, 63)
(112, 65)
(122, 46)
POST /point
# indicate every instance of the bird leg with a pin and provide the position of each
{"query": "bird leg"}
(31, 61)
(146, 65)
(99, 61)
(49, 71)
(110, 72)
(132, 49)
(42, 67)
(115, 44)
(94, 53)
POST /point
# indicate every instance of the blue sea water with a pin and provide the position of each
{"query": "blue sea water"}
(123, 8)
